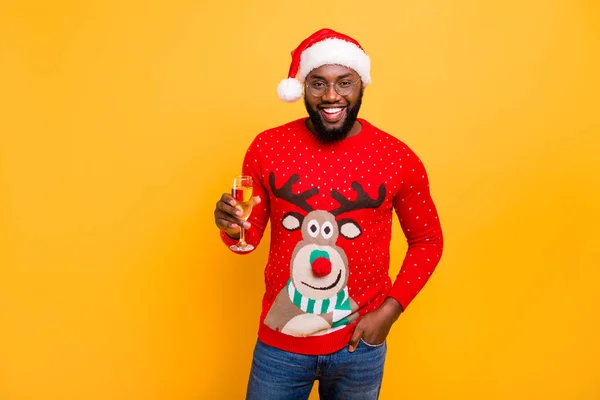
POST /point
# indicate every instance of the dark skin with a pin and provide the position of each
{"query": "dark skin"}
(375, 326)
(227, 216)
(330, 74)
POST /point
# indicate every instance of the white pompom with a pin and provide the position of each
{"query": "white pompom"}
(289, 90)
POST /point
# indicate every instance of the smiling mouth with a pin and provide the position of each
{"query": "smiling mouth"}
(334, 284)
(332, 114)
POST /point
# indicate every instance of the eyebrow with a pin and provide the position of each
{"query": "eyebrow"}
(348, 75)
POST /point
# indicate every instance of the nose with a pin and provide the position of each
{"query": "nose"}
(319, 261)
(321, 267)
(330, 94)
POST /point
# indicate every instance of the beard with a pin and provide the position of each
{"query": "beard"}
(330, 135)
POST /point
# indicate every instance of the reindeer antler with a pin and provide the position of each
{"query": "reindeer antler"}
(362, 200)
(285, 192)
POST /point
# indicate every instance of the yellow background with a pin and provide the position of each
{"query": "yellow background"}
(122, 123)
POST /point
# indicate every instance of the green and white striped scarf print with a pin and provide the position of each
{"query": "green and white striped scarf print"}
(339, 304)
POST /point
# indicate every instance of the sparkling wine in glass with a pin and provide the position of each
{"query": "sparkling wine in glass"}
(242, 193)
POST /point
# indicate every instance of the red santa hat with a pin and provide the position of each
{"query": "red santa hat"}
(323, 47)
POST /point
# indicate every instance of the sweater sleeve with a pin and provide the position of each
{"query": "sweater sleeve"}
(420, 223)
(260, 214)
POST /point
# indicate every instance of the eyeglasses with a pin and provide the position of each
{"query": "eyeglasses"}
(319, 88)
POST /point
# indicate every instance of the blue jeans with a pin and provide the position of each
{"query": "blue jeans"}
(280, 375)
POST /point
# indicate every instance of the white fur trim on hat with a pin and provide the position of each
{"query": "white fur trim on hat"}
(335, 51)
(289, 90)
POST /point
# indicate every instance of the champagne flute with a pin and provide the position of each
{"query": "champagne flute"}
(242, 193)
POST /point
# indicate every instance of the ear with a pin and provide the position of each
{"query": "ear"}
(292, 221)
(349, 229)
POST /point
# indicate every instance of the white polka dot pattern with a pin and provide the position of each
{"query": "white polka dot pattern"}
(370, 159)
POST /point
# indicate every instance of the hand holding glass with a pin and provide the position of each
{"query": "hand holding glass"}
(242, 194)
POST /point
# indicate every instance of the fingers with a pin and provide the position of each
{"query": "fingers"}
(225, 225)
(227, 215)
(225, 211)
(227, 204)
(356, 335)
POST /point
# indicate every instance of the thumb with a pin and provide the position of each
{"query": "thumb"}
(356, 335)
(256, 200)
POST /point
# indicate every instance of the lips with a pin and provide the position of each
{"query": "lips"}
(332, 114)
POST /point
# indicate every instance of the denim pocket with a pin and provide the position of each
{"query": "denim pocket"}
(371, 345)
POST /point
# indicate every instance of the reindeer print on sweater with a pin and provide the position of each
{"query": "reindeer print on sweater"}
(315, 300)
(331, 208)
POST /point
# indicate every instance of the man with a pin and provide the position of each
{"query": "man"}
(329, 184)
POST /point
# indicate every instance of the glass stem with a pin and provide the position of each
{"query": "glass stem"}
(242, 239)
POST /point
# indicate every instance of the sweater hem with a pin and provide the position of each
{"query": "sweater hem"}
(312, 345)
(402, 296)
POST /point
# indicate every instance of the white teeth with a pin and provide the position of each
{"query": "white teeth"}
(331, 110)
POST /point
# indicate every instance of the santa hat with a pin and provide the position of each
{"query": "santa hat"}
(323, 47)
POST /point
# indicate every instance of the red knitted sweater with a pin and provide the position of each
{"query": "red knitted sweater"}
(331, 209)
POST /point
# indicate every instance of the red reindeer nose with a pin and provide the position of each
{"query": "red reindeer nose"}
(321, 267)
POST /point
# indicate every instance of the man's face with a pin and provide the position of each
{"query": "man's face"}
(332, 116)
